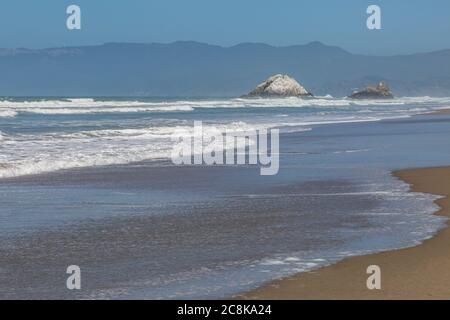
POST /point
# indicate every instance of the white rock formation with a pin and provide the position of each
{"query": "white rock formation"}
(280, 85)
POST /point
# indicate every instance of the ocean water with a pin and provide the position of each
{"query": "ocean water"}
(46, 135)
(87, 181)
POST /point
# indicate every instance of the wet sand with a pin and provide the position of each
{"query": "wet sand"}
(443, 112)
(421, 272)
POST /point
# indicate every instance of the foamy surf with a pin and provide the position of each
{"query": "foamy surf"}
(7, 113)
(10, 108)
(38, 142)
(27, 154)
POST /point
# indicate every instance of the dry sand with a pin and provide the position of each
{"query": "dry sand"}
(421, 272)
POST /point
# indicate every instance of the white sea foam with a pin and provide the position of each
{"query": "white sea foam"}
(290, 264)
(352, 151)
(136, 140)
(7, 113)
(87, 106)
(32, 154)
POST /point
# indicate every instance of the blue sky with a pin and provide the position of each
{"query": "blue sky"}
(408, 25)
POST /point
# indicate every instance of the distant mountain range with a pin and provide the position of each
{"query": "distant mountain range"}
(198, 69)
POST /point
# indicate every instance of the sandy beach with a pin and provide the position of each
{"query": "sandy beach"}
(421, 272)
(443, 112)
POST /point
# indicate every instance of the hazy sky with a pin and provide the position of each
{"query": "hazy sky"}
(408, 25)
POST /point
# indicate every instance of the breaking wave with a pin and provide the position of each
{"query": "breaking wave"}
(27, 154)
(7, 113)
(43, 144)
(87, 106)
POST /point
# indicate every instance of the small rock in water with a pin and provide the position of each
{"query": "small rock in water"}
(381, 91)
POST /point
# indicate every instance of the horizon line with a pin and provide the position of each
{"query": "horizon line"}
(316, 42)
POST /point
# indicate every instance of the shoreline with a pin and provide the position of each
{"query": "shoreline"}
(418, 272)
(105, 221)
(442, 112)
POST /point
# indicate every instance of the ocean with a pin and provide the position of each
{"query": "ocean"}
(89, 181)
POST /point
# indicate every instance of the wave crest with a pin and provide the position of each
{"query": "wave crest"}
(89, 105)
